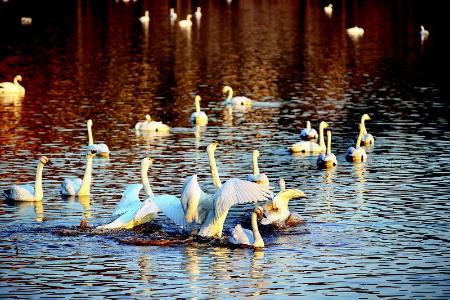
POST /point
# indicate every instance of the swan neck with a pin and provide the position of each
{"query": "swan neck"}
(363, 126)
(145, 182)
(308, 125)
(255, 165)
(87, 178)
(230, 94)
(328, 143)
(91, 139)
(38, 192)
(321, 137)
(258, 239)
(197, 104)
(213, 168)
(361, 133)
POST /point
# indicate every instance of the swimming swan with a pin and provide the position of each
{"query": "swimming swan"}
(12, 88)
(102, 150)
(367, 138)
(76, 186)
(186, 23)
(198, 117)
(423, 33)
(146, 18)
(311, 147)
(240, 236)
(357, 153)
(355, 32)
(308, 133)
(151, 126)
(198, 13)
(327, 160)
(238, 101)
(172, 15)
(328, 9)
(27, 192)
(256, 176)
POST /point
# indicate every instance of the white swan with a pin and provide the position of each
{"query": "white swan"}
(309, 146)
(198, 13)
(423, 33)
(172, 15)
(12, 88)
(328, 9)
(240, 236)
(101, 150)
(308, 133)
(277, 210)
(327, 160)
(367, 139)
(26, 20)
(238, 101)
(145, 19)
(151, 126)
(198, 117)
(186, 23)
(76, 186)
(256, 176)
(27, 192)
(355, 32)
(357, 153)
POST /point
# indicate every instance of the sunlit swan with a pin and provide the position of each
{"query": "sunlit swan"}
(186, 23)
(27, 192)
(367, 138)
(76, 186)
(357, 153)
(277, 210)
(146, 18)
(12, 88)
(102, 150)
(328, 9)
(198, 13)
(131, 212)
(172, 15)
(309, 146)
(199, 117)
(149, 125)
(423, 33)
(355, 32)
(256, 176)
(26, 20)
(308, 133)
(327, 160)
(238, 101)
(241, 236)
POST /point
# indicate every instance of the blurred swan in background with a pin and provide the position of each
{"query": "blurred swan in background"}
(172, 14)
(355, 32)
(241, 236)
(186, 23)
(198, 117)
(357, 153)
(76, 186)
(198, 13)
(309, 146)
(256, 176)
(367, 138)
(423, 33)
(12, 88)
(328, 10)
(27, 192)
(238, 101)
(102, 150)
(149, 125)
(308, 133)
(26, 20)
(145, 19)
(327, 160)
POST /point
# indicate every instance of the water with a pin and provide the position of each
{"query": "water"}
(377, 229)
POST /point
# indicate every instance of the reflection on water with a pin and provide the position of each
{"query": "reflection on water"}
(377, 229)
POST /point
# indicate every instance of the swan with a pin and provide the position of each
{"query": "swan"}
(328, 9)
(76, 186)
(311, 147)
(26, 20)
(186, 23)
(367, 138)
(355, 32)
(153, 126)
(172, 15)
(357, 153)
(327, 160)
(256, 176)
(102, 150)
(198, 13)
(423, 33)
(26, 192)
(131, 212)
(238, 101)
(146, 18)
(12, 88)
(277, 210)
(199, 117)
(308, 133)
(240, 236)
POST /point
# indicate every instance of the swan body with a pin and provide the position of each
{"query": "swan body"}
(355, 32)
(145, 19)
(238, 101)
(186, 23)
(308, 133)
(367, 139)
(172, 15)
(28, 192)
(328, 9)
(198, 13)
(240, 236)
(309, 147)
(327, 160)
(76, 186)
(26, 20)
(12, 88)
(423, 33)
(151, 126)
(357, 153)
(199, 117)
(101, 150)
(256, 176)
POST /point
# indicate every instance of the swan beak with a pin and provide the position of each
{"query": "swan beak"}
(49, 163)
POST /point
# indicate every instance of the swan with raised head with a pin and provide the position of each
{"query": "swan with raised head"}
(12, 88)
(151, 126)
(172, 15)
(186, 23)
(241, 236)
(76, 186)
(308, 133)
(101, 150)
(355, 32)
(277, 210)
(27, 192)
(423, 33)
(328, 9)
(145, 19)
(198, 13)
(367, 139)
(357, 153)
(238, 100)
(309, 147)
(198, 117)
(327, 160)
(256, 176)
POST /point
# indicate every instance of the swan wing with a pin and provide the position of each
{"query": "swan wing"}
(122, 221)
(130, 200)
(71, 186)
(171, 207)
(190, 191)
(282, 198)
(19, 192)
(103, 148)
(241, 236)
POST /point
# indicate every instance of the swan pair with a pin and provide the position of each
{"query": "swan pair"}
(12, 88)
(101, 150)
(236, 101)
(151, 126)
(311, 147)
(199, 117)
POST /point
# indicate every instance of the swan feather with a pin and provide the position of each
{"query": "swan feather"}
(242, 236)
(171, 207)
(19, 192)
(71, 186)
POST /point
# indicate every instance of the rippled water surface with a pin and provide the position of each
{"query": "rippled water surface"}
(376, 229)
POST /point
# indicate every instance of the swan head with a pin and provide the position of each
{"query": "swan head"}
(197, 98)
(147, 162)
(212, 147)
(146, 13)
(256, 153)
(226, 89)
(259, 211)
(45, 161)
(172, 10)
(189, 17)
(18, 78)
(199, 9)
(89, 122)
(365, 117)
(148, 118)
(422, 28)
(323, 125)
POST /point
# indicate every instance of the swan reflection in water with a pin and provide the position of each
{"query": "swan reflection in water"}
(30, 210)
(84, 201)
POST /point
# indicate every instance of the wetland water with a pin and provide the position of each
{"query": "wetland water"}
(376, 229)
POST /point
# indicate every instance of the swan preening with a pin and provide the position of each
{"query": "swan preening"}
(327, 160)
(423, 33)
(186, 23)
(12, 88)
(238, 101)
(240, 236)
(367, 139)
(328, 9)
(357, 153)
(27, 192)
(101, 150)
(355, 32)
(151, 126)
(256, 176)
(198, 117)
(309, 147)
(76, 186)
(145, 19)
(308, 133)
